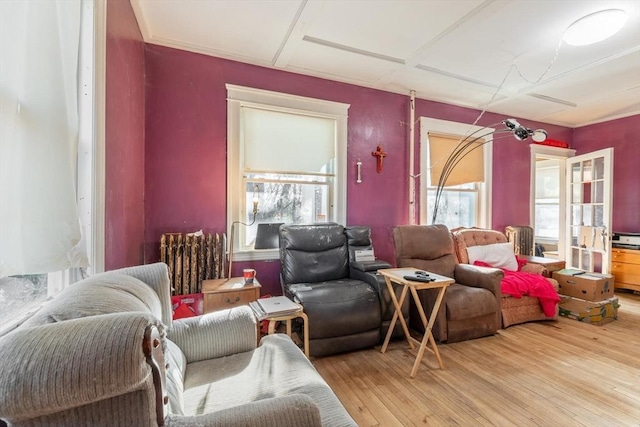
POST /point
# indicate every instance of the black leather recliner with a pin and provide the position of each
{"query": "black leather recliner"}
(341, 297)
(359, 238)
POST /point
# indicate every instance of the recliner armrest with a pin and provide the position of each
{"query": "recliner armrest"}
(216, 334)
(296, 410)
(479, 277)
(370, 275)
(63, 365)
(370, 265)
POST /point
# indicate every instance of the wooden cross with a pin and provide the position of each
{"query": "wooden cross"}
(380, 155)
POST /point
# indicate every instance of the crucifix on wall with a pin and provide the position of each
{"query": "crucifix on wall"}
(380, 154)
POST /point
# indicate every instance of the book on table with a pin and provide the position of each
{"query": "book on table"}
(274, 306)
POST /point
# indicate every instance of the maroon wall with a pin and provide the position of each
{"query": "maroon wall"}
(166, 148)
(124, 186)
(624, 136)
(186, 150)
(186, 147)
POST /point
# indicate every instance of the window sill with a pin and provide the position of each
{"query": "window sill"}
(256, 255)
(18, 319)
(546, 241)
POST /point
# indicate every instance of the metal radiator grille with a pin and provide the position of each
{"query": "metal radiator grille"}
(192, 258)
(522, 238)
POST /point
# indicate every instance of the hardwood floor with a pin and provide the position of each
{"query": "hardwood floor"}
(563, 373)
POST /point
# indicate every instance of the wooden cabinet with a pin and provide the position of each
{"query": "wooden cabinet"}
(625, 266)
(220, 294)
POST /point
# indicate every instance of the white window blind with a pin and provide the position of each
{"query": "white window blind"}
(470, 167)
(283, 142)
(464, 201)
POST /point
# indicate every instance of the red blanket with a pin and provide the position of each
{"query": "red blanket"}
(519, 284)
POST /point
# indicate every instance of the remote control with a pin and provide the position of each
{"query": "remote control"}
(419, 278)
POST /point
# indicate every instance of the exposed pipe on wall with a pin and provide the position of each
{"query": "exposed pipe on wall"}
(412, 177)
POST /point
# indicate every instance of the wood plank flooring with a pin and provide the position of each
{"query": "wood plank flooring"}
(563, 373)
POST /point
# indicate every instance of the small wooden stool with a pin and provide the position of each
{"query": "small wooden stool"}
(305, 321)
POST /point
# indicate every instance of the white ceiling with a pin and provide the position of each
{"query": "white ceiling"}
(505, 56)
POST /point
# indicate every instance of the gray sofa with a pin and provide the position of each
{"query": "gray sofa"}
(106, 352)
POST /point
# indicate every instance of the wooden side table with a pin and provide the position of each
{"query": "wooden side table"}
(220, 294)
(396, 275)
(287, 318)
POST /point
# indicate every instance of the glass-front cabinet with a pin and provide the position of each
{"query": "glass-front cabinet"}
(589, 219)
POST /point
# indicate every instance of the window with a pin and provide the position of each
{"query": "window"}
(287, 158)
(80, 29)
(465, 200)
(20, 295)
(458, 206)
(547, 199)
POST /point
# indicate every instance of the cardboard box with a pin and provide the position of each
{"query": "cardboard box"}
(594, 312)
(583, 285)
(189, 305)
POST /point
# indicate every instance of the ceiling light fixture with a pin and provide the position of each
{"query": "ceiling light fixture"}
(595, 27)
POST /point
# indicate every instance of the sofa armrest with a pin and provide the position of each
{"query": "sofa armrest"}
(554, 283)
(156, 276)
(369, 265)
(479, 277)
(534, 268)
(371, 277)
(297, 410)
(61, 366)
(367, 272)
(216, 334)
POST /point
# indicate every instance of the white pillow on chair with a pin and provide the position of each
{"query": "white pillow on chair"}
(498, 255)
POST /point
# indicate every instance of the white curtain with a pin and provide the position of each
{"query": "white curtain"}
(39, 227)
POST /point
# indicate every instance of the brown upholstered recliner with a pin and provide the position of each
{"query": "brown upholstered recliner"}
(514, 310)
(471, 306)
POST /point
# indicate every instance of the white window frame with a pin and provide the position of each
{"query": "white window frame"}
(483, 212)
(91, 141)
(239, 96)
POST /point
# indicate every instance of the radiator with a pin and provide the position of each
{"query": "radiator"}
(192, 258)
(522, 238)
